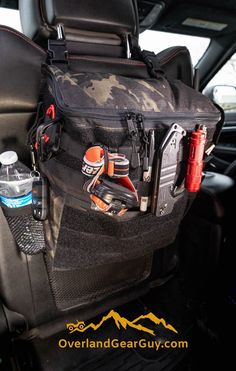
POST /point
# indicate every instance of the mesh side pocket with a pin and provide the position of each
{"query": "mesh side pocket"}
(27, 232)
(79, 287)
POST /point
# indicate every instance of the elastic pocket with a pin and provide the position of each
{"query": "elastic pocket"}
(89, 238)
(81, 286)
(27, 232)
(70, 261)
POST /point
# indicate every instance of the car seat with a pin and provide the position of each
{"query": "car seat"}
(97, 38)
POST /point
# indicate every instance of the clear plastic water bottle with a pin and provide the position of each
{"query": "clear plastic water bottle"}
(15, 181)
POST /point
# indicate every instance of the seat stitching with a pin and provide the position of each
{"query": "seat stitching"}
(163, 61)
(21, 36)
(171, 56)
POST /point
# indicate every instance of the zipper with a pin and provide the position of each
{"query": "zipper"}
(133, 137)
(137, 132)
(120, 114)
(144, 140)
(131, 120)
(110, 115)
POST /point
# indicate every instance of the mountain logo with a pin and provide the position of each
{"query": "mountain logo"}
(122, 322)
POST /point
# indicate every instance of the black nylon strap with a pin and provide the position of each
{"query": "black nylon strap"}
(219, 125)
(152, 63)
(38, 119)
(150, 59)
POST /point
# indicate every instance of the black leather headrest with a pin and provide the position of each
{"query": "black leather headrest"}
(39, 18)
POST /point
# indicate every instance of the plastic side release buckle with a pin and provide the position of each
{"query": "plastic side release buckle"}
(57, 52)
(57, 49)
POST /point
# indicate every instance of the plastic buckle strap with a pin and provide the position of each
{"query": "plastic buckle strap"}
(58, 53)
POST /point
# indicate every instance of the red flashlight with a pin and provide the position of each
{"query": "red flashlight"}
(195, 161)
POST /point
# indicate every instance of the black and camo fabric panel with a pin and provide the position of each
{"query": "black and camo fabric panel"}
(93, 109)
(119, 93)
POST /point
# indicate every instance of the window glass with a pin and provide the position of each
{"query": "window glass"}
(10, 18)
(223, 86)
(157, 41)
(226, 75)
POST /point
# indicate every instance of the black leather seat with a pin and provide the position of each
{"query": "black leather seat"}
(93, 32)
(25, 288)
(97, 41)
(20, 65)
(205, 230)
(107, 24)
(21, 59)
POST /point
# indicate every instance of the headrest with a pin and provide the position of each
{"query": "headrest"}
(39, 18)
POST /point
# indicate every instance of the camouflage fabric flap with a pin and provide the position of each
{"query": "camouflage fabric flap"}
(112, 92)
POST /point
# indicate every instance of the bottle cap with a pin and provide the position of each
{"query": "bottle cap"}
(8, 158)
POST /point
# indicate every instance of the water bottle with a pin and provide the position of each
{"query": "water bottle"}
(15, 181)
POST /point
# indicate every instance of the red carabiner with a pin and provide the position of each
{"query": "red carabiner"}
(51, 112)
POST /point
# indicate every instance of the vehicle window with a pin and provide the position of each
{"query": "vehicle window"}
(223, 86)
(226, 75)
(10, 18)
(157, 41)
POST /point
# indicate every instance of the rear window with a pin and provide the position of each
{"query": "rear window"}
(157, 41)
(10, 18)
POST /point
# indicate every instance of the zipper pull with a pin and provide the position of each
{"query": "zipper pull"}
(133, 134)
(133, 130)
(135, 157)
(145, 159)
(145, 142)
